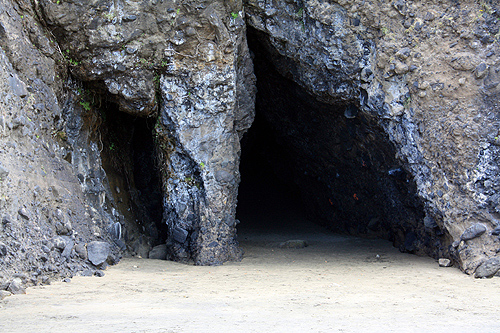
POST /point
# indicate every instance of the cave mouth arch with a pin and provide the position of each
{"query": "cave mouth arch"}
(332, 160)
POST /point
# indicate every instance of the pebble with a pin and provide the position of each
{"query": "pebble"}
(496, 231)
(443, 262)
(3, 249)
(67, 280)
(473, 231)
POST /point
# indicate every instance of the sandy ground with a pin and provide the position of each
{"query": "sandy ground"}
(336, 284)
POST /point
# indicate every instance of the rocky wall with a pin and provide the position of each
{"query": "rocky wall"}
(426, 72)
(53, 223)
(422, 73)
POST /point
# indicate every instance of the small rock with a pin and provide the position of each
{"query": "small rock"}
(59, 243)
(68, 248)
(3, 249)
(87, 272)
(24, 213)
(293, 244)
(4, 293)
(67, 280)
(98, 252)
(351, 111)
(16, 287)
(488, 268)
(158, 252)
(17, 86)
(3, 173)
(81, 250)
(404, 53)
(6, 219)
(180, 235)
(481, 71)
(472, 232)
(45, 280)
(496, 231)
(99, 273)
(443, 262)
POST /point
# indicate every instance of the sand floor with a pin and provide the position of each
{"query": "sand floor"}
(336, 284)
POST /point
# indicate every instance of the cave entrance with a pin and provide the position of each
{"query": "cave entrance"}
(129, 159)
(326, 163)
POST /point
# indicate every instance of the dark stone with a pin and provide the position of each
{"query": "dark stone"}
(99, 273)
(472, 232)
(159, 252)
(429, 222)
(3, 249)
(98, 252)
(3, 173)
(6, 219)
(410, 239)
(496, 232)
(129, 18)
(67, 280)
(351, 111)
(112, 259)
(488, 268)
(121, 244)
(180, 235)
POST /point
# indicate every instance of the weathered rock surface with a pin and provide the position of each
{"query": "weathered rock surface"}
(98, 252)
(488, 268)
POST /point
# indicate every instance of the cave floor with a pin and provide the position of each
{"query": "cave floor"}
(337, 283)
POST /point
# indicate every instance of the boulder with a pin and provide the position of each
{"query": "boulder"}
(98, 252)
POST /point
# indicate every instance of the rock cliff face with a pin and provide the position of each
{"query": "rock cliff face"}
(388, 110)
(427, 75)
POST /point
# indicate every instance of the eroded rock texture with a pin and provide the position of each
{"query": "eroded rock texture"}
(194, 54)
(427, 74)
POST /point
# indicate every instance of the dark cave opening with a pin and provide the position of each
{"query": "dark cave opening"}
(129, 158)
(331, 163)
